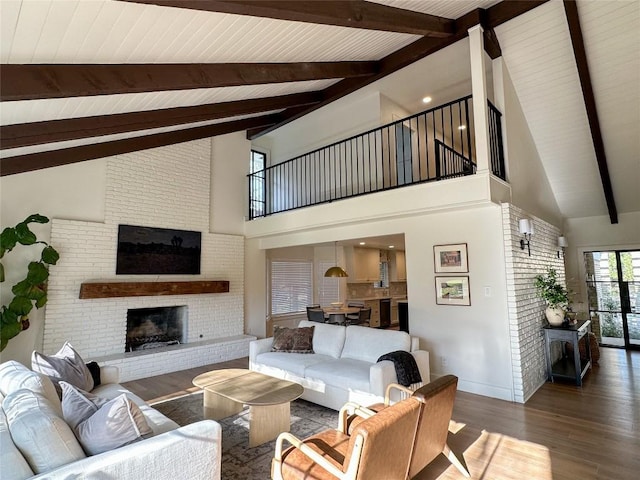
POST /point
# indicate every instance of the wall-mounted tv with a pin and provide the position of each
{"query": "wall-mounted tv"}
(157, 251)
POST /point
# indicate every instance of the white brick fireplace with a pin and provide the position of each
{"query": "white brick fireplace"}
(166, 187)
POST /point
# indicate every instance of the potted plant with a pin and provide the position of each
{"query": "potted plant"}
(554, 294)
(32, 290)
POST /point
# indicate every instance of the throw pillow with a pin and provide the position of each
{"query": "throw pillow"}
(94, 370)
(66, 365)
(117, 423)
(293, 340)
(78, 405)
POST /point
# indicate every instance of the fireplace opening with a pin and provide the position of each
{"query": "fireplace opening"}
(157, 327)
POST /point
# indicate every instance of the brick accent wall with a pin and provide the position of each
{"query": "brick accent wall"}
(526, 309)
(165, 187)
(161, 187)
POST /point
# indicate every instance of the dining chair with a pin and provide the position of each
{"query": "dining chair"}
(363, 318)
(356, 304)
(315, 315)
(363, 455)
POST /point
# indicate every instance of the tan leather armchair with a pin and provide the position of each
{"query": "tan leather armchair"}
(436, 400)
(379, 447)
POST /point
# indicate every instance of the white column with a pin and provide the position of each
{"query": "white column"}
(498, 69)
(479, 92)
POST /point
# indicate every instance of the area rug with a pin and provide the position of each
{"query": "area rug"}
(239, 462)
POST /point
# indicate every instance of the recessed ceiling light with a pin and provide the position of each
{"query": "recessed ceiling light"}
(391, 246)
(363, 243)
(426, 100)
(462, 127)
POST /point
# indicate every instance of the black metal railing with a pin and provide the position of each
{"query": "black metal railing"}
(432, 145)
(496, 151)
(450, 164)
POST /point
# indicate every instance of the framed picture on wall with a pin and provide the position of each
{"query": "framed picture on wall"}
(452, 291)
(451, 258)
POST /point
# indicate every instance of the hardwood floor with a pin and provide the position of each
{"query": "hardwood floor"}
(563, 432)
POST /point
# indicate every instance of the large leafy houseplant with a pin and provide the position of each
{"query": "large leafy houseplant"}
(554, 294)
(32, 290)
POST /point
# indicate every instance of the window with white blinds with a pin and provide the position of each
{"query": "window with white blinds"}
(291, 286)
(329, 287)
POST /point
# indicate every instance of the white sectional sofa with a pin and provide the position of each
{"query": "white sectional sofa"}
(344, 364)
(35, 441)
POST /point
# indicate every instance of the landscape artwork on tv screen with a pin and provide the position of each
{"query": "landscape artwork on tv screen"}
(158, 251)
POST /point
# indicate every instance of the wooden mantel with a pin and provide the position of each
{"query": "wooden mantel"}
(147, 289)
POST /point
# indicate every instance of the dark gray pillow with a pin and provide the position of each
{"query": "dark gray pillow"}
(293, 340)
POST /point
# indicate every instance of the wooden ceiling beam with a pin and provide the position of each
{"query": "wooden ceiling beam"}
(37, 133)
(353, 13)
(489, 18)
(20, 82)
(391, 63)
(491, 44)
(577, 41)
(504, 11)
(66, 156)
(30, 82)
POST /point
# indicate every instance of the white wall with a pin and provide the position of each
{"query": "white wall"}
(230, 166)
(474, 339)
(73, 191)
(255, 284)
(355, 114)
(529, 184)
(470, 342)
(390, 111)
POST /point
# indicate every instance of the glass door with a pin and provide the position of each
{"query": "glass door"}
(613, 287)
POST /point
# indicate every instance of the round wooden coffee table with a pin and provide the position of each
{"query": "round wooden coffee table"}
(227, 391)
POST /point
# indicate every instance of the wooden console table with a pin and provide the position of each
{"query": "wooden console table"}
(568, 366)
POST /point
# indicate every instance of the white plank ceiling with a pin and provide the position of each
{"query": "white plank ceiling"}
(545, 76)
(536, 49)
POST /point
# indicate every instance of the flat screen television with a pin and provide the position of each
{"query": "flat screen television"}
(157, 251)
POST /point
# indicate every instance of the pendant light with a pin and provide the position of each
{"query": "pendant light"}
(336, 271)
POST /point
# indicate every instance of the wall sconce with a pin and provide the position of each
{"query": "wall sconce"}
(562, 244)
(525, 226)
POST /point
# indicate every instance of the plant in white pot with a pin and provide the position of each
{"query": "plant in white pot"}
(554, 294)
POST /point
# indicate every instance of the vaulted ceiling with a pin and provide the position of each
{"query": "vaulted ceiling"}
(88, 79)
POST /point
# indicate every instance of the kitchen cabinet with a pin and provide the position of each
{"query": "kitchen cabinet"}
(397, 266)
(363, 264)
(374, 305)
(380, 312)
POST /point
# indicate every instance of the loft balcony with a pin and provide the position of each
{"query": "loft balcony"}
(430, 146)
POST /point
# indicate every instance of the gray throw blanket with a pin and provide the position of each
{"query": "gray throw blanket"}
(406, 367)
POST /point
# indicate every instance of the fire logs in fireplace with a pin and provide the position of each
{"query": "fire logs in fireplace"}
(149, 328)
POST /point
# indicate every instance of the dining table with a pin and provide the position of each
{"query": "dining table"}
(338, 314)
